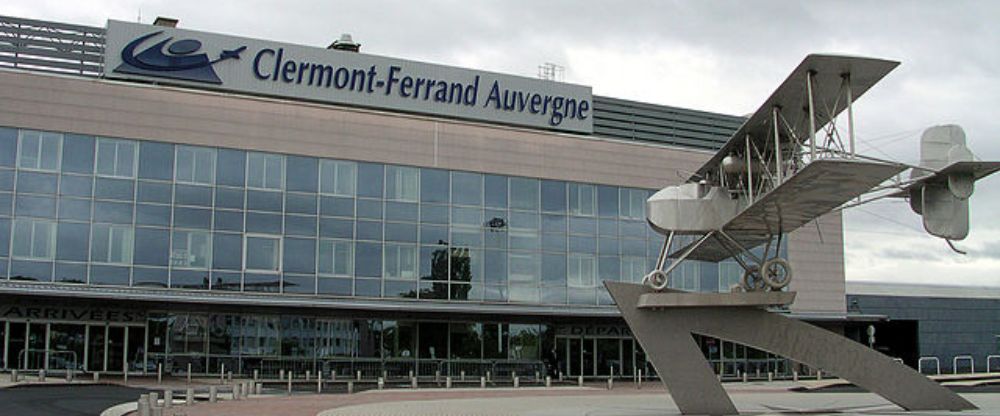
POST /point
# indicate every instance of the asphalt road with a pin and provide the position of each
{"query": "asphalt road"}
(80, 400)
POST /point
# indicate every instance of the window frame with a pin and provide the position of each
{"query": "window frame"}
(264, 185)
(194, 150)
(337, 166)
(415, 260)
(278, 238)
(575, 280)
(117, 143)
(129, 244)
(34, 222)
(412, 183)
(334, 242)
(58, 137)
(173, 247)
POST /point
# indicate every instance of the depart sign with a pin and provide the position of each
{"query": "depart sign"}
(213, 61)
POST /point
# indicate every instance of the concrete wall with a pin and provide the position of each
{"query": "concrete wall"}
(118, 109)
(947, 327)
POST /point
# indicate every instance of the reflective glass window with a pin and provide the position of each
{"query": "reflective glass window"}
(401, 232)
(495, 266)
(150, 277)
(337, 177)
(434, 214)
(339, 287)
(634, 268)
(400, 261)
(74, 209)
(39, 150)
(225, 281)
(336, 228)
(152, 246)
(466, 188)
(300, 225)
(228, 221)
(230, 169)
(263, 253)
(156, 160)
(523, 267)
(581, 270)
(109, 275)
(495, 191)
(70, 273)
(111, 244)
(553, 196)
(193, 218)
(434, 186)
(257, 222)
(291, 283)
(525, 342)
(554, 223)
(300, 255)
(608, 269)
(402, 183)
(228, 251)
(554, 242)
(31, 270)
(336, 257)
(157, 192)
(6, 200)
(116, 157)
(191, 249)
(195, 165)
(466, 341)
(149, 214)
(368, 259)
(466, 265)
(37, 183)
(432, 234)
(467, 236)
(370, 209)
(74, 185)
(554, 269)
(633, 203)
(113, 212)
(582, 226)
(72, 241)
(35, 206)
(369, 230)
(401, 211)
(265, 170)
(189, 279)
(371, 177)
(524, 193)
(300, 203)
(336, 206)
(368, 287)
(303, 174)
(607, 201)
(8, 150)
(579, 244)
(79, 154)
(258, 282)
(433, 262)
(265, 201)
(6, 179)
(110, 188)
(582, 199)
(232, 198)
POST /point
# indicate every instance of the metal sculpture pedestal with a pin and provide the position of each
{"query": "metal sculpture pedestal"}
(663, 323)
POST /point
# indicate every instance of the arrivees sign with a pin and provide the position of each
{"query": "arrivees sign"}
(207, 60)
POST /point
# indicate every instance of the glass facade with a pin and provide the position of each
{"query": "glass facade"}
(78, 209)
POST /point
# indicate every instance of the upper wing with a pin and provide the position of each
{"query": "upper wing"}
(976, 170)
(791, 99)
(818, 188)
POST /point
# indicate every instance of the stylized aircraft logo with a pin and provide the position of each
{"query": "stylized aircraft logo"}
(181, 62)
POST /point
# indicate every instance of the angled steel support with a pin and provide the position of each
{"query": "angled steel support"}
(664, 330)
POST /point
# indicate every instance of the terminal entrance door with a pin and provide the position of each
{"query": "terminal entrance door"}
(597, 356)
(115, 348)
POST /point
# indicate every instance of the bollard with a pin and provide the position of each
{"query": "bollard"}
(517, 382)
(189, 397)
(307, 375)
(513, 374)
(222, 373)
(579, 381)
(488, 376)
(410, 374)
(13, 376)
(638, 380)
(758, 372)
(819, 374)
(350, 387)
(359, 375)
(258, 387)
(482, 382)
(385, 374)
(548, 381)
(125, 374)
(462, 375)
(229, 376)
(413, 382)
(795, 376)
(437, 376)
(610, 383)
(560, 376)
(236, 391)
(154, 401)
(538, 376)
(447, 382)
(333, 375)
(381, 383)
(213, 394)
(256, 375)
(319, 384)
(97, 376)
(289, 382)
(189, 373)
(69, 375)
(770, 376)
(159, 373)
(744, 377)
(281, 374)
(143, 405)
(168, 399)
(41, 375)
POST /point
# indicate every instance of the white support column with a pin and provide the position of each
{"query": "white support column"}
(850, 113)
(779, 168)
(812, 117)
(749, 158)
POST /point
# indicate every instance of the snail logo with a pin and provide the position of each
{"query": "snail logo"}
(178, 62)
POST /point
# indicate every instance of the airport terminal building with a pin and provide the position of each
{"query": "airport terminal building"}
(198, 200)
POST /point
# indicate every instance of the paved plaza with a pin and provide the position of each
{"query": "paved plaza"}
(752, 399)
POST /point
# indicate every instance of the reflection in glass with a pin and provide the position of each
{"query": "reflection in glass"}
(262, 253)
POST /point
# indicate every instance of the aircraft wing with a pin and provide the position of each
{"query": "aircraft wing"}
(818, 188)
(791, 99)
(977, 170)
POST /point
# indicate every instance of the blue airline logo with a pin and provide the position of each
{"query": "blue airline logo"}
(178, 62)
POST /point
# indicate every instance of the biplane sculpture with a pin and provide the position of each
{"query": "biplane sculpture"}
(788, 164)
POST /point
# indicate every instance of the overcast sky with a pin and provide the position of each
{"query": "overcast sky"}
(723, 56)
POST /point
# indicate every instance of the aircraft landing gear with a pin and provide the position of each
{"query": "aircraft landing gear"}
(777, 273)
(656, 279)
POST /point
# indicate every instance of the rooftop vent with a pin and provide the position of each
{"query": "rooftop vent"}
(165, 21)
(345, 43)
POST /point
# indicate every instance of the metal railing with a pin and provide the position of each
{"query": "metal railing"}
(44, 46)
(937, 364)
(954, 363)
(988, 358)
(41, 359)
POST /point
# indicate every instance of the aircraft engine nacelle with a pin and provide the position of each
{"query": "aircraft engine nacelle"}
(943, 198)
(690, 208)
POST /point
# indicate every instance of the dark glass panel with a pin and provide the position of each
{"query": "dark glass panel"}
(152, 247)
(229, 198)
(153, 192)
(109, 275)
(113, 212)
(368, 259)
(119, 189)
(432, 234)
(368, 287)
(6, 201)
(35, 206)
(495, 238)
(433, 263)
(434, 186)
(6, 179)
(226, 281)
(554, 269)
(554, 196)
(4, 240)
(370, 209)
(554, 242)
(495, 191)
(495, 340)
(433, 340)
(554, 224)
(466, 188)
(495, 262)
(607, 201)
(231, 168)
(8, 146)
(300, 204)
(466, 341)
(78, 154)
(434, 214)
(229, 221)
(582, 225)
(156, 161)
(189, 279)
(400, 289)
(401, 211)
(369, 230)
(74, 209)
(292, 283)
(31, 270)
(608, 268)
(193, 218)
(633, 247)
(335, 286)
(524, 193)
(37, 183)
(401, 232)
(302, 174)
(193, 195)
(258, 222)
(227, 251)
(608, 246)
(256, 282)
(300, 225)
(336, 206)
(265, 201)
(72, 241)
(149, 277)
(370, 180)
(300, 255)
(579, 244)
(70, 273)
(336, 228)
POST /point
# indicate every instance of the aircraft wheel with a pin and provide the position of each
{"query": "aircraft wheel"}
(777, 273)
(751, 280)
(657, 279)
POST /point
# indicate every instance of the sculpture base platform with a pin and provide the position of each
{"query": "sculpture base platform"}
(663, 322)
